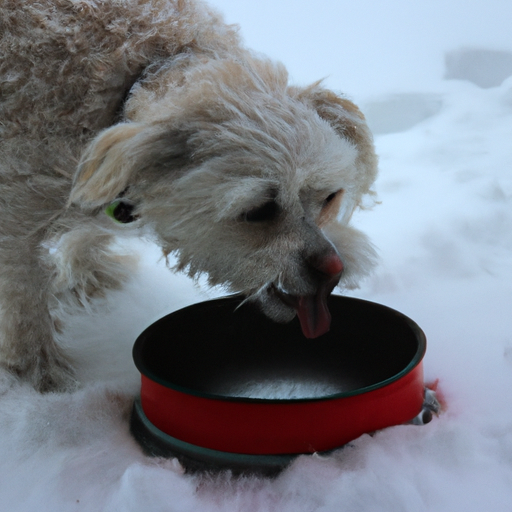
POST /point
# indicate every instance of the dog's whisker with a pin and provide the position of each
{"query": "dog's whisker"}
(253, 295)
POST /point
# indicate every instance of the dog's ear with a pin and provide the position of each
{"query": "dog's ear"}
(104, 169)
(347, 120)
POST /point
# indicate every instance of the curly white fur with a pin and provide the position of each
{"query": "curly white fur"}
(155, 103)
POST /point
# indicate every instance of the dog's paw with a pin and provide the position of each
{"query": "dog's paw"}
(431, 407)
(56, 380)
(46, 375)
(7, 380)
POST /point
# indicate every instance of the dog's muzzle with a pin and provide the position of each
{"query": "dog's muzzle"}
(312, 310)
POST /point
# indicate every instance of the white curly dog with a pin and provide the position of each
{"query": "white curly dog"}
(150, 117)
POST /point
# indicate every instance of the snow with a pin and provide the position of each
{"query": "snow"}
(444, 233)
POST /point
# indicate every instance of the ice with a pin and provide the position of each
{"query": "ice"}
(444, 233)
(485, 68)
(284, 389)
(399, 112)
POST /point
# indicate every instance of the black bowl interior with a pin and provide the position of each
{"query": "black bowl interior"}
(222, 349)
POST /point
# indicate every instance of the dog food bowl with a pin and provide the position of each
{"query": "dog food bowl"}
(225, 387)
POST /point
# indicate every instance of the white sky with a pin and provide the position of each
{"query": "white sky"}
(369, 47)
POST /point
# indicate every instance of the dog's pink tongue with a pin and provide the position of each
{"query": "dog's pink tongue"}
(312, 310)
(314, 315)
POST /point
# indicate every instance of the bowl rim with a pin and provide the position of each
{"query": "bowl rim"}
(415, 361)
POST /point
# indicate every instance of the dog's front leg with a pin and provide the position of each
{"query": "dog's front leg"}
(27, 334)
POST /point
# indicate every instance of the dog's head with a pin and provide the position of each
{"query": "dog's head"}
(245, 179)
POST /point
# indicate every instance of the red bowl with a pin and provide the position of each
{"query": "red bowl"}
(224, 386)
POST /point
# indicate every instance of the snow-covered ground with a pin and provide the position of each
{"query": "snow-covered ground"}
(444, 233)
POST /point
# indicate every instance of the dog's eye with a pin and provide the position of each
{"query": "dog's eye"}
(121, 211)
(263, 213)
(331, 197)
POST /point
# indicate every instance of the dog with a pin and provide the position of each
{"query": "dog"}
(151, 118)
